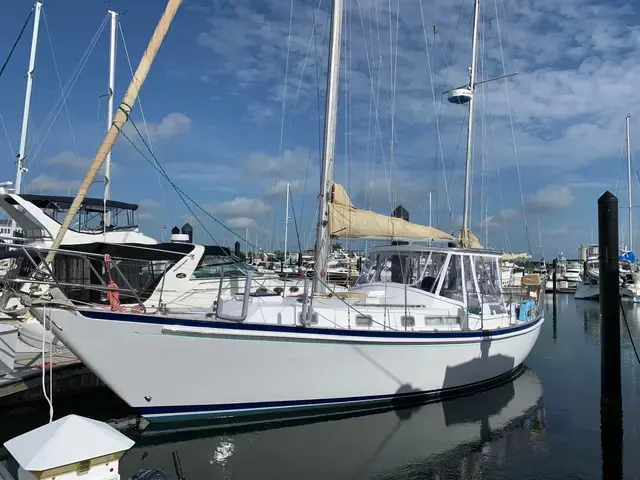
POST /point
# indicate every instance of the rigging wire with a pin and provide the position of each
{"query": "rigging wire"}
(15, 44)
(318, 61)
(455, 159)
(513, 133)
(507, 241)
(377, 101)
(53, 113)
(144, 120)
(183, 196)
(55, 65)
(6, 132)
(620, 163)
(284, 105)
(626, 323)
(433, 96)
(295, 223)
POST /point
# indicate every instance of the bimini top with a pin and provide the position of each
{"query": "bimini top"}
(64, 203)
(403, 249)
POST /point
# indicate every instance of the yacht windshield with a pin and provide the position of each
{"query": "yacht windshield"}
(474, 280)
(212, 266)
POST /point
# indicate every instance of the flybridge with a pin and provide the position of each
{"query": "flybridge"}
(90, 215)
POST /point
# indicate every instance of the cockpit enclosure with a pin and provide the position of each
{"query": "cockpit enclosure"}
(471, 277)
(91, 214)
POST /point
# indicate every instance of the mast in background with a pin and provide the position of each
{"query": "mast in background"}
(27, 100)
(286, 224)
(110, 93)
(627, 121)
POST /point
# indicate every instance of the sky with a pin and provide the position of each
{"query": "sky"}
(234, 104)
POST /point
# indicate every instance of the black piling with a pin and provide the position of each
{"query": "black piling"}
(403, 213)
(610, 377)
(236, 249)
(187, 230)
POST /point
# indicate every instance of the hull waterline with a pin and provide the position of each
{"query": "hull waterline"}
(177, 369)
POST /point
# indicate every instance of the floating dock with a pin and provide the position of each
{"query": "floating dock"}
(24, 384)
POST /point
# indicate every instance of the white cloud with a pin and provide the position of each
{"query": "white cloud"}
(259, 112)
(550, 199)
(44, 182)
(68, 159)
(147, 209)
(241, 207)
(261, 165)
(500, 218)
(172, 125)
(279, 189)
(242, 222)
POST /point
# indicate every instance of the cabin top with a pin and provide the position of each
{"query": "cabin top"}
(61, 203)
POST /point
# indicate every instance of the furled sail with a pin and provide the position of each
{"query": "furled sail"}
(346, 221)
(516, 256)
(467, 239)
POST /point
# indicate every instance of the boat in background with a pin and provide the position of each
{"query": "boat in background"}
(572, 273)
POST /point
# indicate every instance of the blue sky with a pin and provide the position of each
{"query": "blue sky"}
(215, 97)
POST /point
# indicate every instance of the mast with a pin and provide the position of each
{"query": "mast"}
(120, 119)
(627, 119)
(286, 224)
(27, 98)
(112, 81)
(328, 149)
(429, 207)
(472, 87)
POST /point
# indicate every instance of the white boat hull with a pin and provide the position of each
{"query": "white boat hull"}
(177, 368)
(587, 292)
(631, 291)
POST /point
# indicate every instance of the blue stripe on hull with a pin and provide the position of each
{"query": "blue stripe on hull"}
(234, 412)
(162, 320)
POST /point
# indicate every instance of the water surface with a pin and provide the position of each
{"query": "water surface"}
(544, 424)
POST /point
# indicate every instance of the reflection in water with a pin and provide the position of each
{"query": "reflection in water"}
(589, 312)
(457, 435)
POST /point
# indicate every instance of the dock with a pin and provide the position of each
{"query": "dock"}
(24, 384)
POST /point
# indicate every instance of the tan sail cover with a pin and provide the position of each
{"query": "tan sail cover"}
(467, 239)
(346, 221)
(515, 256)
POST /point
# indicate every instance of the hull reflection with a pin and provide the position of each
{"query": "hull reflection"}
(382, 444)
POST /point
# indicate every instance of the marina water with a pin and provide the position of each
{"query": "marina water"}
(544, 423)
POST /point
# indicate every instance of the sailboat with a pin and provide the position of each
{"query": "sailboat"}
(629, 270)
(423, 321)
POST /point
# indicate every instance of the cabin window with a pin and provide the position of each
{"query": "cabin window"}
(419, 269)
(470, 283)
(215, 266)
(364, 320)
(489, 282)
(385, 267)
(433, 267)
(452, 282)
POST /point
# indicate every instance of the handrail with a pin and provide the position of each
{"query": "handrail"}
(245, 304)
